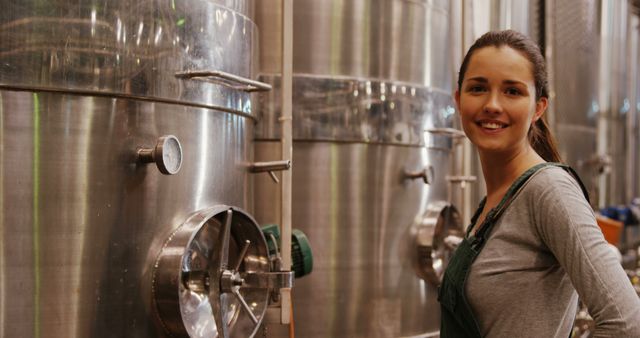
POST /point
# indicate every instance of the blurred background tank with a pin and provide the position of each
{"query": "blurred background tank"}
(369, 78)
(94, 240)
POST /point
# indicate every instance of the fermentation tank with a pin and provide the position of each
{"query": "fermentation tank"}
(372, 143)
(574, 56)
(125, 145)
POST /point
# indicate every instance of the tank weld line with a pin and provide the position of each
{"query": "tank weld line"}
(82, 92)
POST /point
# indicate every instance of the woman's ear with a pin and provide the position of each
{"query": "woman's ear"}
(541, 107)
(457, 99)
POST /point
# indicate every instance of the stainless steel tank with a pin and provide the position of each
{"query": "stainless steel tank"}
(633, 126)
(575, 103)
(95, 241)
(369, 78)
(618, 47)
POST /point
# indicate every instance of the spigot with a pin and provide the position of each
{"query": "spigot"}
(270, 167)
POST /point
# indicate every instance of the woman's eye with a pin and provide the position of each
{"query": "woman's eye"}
(476, 89)
(512, 91)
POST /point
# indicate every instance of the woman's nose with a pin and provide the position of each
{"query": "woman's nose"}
(492, 104)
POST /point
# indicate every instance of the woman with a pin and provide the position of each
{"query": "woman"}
(533, 246)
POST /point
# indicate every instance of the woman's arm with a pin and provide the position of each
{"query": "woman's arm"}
(567, 225)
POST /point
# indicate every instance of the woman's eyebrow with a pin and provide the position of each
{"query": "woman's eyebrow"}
(513, 82)
(478, 79)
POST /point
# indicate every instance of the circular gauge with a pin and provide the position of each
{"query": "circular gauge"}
(168, 155)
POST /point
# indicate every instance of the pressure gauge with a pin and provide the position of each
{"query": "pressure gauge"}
(167, 155)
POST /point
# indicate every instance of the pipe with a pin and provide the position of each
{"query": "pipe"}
(287, 153)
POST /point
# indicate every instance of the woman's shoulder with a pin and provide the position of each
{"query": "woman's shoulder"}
(554, 176)
(556, 185)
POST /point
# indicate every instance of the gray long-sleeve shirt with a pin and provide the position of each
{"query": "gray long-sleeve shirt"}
(544, 248)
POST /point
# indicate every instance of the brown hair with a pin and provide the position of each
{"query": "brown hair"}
(539, 135)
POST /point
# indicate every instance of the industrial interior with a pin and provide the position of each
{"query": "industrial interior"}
(275, 168)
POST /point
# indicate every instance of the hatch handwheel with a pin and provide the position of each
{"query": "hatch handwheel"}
(196, 290)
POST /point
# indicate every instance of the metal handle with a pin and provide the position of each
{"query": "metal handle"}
(425, 174)
(451, 132)
(227, 79)
(270, 167)
(167, 155)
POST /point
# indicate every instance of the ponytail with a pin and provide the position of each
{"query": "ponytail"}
(543, 142)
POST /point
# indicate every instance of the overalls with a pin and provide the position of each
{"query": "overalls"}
(457, 319)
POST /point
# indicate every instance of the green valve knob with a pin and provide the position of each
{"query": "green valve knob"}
(301, 255)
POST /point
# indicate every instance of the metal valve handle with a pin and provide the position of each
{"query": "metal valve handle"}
(425, 174)
(270, 167)
(167, 155)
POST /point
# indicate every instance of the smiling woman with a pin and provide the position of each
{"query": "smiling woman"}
(497, 101)
(533, 245)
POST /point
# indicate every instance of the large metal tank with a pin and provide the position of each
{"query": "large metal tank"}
(369, 78)
(573, 54)
(618, 64)
(94, 241)
(633, 126)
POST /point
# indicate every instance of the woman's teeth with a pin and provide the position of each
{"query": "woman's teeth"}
(491, 125)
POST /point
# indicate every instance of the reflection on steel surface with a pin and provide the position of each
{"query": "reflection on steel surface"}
(358, 110)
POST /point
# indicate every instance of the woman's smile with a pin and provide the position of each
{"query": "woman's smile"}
(491, 126)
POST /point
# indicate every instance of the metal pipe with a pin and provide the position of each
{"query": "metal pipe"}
(259, 167)
(287, 152)
(632, 115)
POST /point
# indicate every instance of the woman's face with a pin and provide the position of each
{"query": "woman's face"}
(497, 101)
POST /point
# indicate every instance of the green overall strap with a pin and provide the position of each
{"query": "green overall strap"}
(457, 318)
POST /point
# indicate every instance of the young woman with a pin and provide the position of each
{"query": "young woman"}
(533, 246)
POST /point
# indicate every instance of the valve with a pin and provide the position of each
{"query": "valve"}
(425, 174)
(301, 255)
(270, 167)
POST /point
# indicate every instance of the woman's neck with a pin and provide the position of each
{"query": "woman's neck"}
(501, 170)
